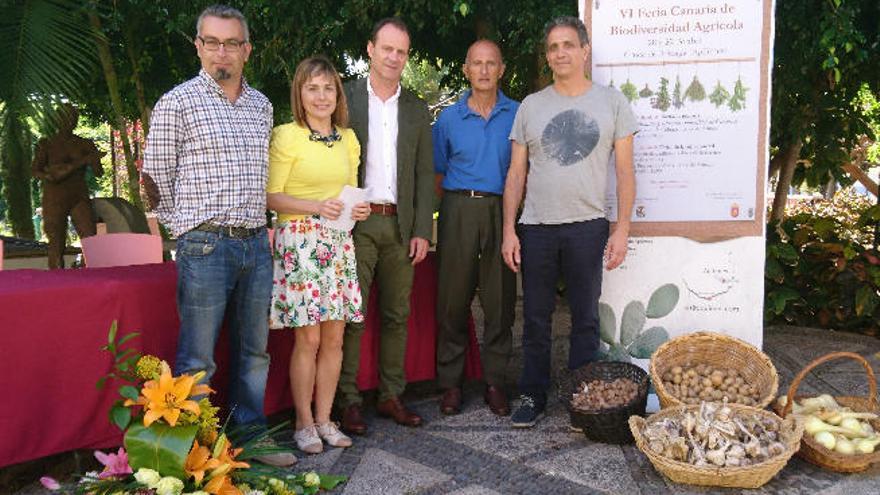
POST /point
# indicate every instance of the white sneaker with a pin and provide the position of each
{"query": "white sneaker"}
(308, 441)
(331, 434)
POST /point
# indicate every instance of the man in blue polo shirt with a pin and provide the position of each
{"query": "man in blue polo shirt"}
(471, 157)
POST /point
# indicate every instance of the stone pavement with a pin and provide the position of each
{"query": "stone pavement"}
(478, 453)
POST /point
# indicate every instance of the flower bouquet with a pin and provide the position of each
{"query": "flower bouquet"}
(173, 441)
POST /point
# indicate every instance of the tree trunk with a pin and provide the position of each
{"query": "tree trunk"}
(119, 123)
(788, 163)
(138, 83)
(858, 174)
(16, 159)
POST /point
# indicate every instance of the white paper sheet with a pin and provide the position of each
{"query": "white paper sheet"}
(349, 196)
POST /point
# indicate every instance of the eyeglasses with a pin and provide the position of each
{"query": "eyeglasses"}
(213, 44)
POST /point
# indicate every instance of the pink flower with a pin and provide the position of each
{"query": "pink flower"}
(114, 464)
(50, 483)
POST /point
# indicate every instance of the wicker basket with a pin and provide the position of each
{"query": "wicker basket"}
(753, 476)
(811, 450)
(605, 425)
(717, 350)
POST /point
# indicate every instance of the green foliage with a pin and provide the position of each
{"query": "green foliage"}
(738, 100)
(695, 91)
(123, 369)
(719, 95)
(677, 100)
(662, 101)
(825, 53)
(635, 341)
(629, 90)
(646, 92)
(159, 447)
(821, 269)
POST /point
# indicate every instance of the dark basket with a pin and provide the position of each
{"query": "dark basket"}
(605, 425)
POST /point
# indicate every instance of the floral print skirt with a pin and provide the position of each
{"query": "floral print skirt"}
(315, 275)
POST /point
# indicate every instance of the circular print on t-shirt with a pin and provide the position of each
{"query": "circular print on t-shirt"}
(570, 137)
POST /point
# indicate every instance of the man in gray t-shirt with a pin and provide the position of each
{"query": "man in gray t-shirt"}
(563, 137)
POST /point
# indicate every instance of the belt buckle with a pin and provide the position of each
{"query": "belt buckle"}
(229, 230)
(476, 194)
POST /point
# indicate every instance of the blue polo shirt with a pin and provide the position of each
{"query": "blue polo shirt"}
(470, 151)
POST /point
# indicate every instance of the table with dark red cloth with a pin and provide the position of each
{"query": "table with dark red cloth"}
(54, 323)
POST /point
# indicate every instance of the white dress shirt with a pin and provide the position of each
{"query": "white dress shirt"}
(381, 172)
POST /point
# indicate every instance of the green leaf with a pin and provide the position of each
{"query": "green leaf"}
(127, 338)
(618, 353)
(779, 298)
(329, 482)
(647, 342)
(662, 301)
(632, 322)
(111, 335)
(607, 323)
(129, 392)
(866, 300)
(159, 447)
(120, 416)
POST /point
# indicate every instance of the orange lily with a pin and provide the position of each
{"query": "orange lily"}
(198, 461)
(166, 397)
(221, 485)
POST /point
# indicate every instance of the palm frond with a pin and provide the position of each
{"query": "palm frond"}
(46, 51)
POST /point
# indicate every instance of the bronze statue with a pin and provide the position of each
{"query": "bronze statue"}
(61, 161)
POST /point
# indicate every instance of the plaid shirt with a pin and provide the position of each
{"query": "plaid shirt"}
(209, 157)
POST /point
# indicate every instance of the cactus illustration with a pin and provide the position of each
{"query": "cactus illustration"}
(635, 341)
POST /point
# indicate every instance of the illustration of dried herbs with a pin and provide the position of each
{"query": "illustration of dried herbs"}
(719, 95)
(738, 101)
(662, 101)
(677, 102)
(629, 90)
(611, 83)
(646, 92)
(695, 91)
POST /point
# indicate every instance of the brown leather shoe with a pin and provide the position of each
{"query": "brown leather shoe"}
(353, 420)
(394, 409)
(497, 400)
(450, 403)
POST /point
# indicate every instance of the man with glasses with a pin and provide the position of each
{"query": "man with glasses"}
(205, 172)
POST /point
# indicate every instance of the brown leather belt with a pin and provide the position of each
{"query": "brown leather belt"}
(234, 232)
(473, 194)
(384, 209)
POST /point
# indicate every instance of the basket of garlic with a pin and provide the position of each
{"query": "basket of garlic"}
(717, 444)
(840, 433)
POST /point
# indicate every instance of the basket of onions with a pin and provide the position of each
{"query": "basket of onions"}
(840, 433)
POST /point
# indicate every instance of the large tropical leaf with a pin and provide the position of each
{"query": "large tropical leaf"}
(159, 447)
(46, 52)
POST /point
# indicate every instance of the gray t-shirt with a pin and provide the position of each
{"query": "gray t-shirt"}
(570, 140)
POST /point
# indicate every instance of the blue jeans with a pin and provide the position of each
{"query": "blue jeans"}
(575, 251)
(221, 276)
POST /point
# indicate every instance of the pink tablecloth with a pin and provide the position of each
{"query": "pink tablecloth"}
(53, 325)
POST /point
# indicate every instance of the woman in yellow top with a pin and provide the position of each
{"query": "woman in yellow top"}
(315, 287)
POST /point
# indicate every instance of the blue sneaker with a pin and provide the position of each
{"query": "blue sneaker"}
(528, 413)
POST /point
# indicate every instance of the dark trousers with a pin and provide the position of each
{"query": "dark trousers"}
(574, 250)
(383, 257)
(469, 256)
